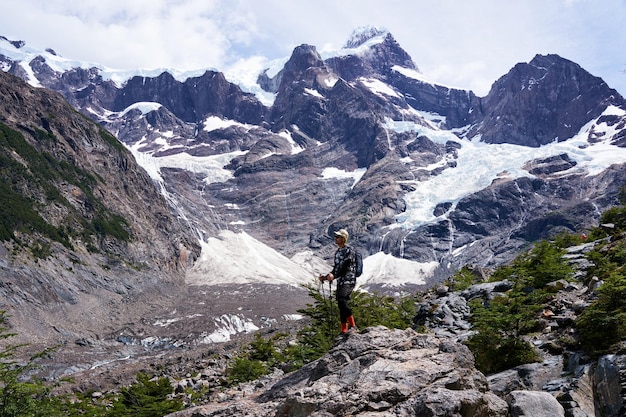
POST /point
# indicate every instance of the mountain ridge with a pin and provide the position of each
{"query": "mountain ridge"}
(310, 109)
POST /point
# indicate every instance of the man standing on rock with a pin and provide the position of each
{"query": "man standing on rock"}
(344, 272)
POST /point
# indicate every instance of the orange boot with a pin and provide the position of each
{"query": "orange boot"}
(344, 327)
(351, 322)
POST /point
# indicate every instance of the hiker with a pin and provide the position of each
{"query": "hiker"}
(344, 272)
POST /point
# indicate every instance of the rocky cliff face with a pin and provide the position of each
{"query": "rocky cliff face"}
(545, 100)
(94, 228)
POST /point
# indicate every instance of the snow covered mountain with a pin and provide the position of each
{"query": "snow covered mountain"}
(358, 139)
(262, 166)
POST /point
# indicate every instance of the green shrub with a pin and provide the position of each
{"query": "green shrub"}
(603, 323)
(244, 369)
(463, 279)
(145, 398)
(264, 350)
(616, 216)
(494, 352)
(498, 344)
(317, 337)
(256, 359)
(372, 309)
(542, 264)
(566, 240)
(502, 323)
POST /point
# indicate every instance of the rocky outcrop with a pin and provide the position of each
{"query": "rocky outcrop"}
(610, 385)
(551, 165)
(447, 313)
(375, 372)
(535, 404)
(382, 372)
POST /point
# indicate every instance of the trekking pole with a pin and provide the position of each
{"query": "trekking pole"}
(324, 298)
(330, 307)
(323, 293)
(329, 314)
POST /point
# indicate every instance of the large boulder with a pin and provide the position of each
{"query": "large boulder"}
(610, 384)
(377, 372)
(534, 404)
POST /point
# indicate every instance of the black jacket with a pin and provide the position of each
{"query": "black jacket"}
(345, 266)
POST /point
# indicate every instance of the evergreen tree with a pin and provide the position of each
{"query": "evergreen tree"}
(145, 398)
(21, 396)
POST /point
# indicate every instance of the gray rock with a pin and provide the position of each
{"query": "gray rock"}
(446, 316)
(532, 376)
(610, 383)
(534, 404)
(486, 290)
(444, 402)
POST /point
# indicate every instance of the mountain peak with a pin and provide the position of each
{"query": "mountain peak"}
(540, 60)
(363, 34)
(16, 44)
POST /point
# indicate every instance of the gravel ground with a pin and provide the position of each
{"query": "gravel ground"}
(173, 339)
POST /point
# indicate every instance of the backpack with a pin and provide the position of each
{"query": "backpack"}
(358, 261)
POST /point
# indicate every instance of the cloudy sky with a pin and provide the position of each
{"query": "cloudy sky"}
(462, 43)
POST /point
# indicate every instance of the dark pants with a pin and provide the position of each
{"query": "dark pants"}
(343, 297)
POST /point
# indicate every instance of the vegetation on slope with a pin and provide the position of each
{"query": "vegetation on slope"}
(503, 324)
(30, 181)
(602, 325)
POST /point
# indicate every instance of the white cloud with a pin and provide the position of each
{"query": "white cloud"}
(186, 34)
(463, 44)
